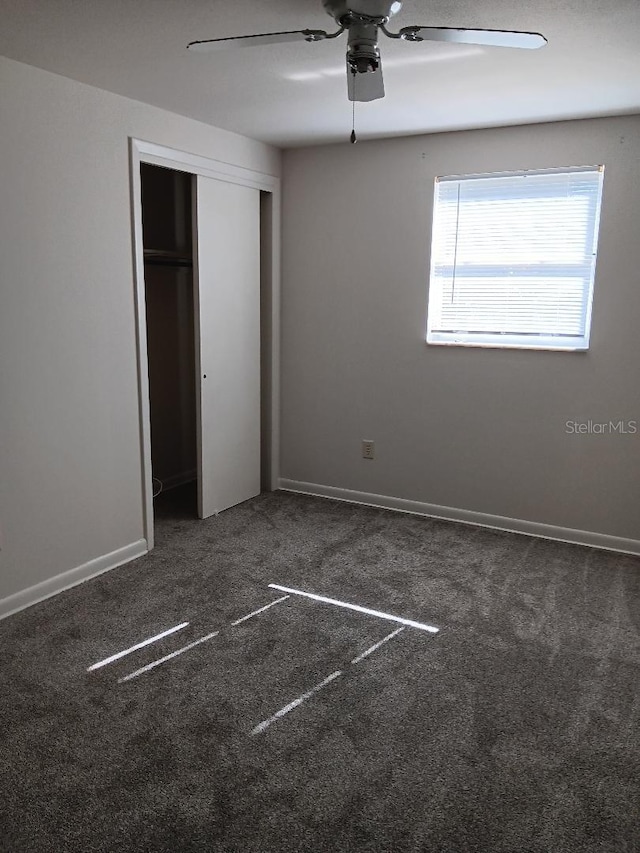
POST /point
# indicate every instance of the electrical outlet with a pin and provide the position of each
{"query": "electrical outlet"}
(368, 449)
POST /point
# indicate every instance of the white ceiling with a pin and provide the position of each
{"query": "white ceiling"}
(294, 94)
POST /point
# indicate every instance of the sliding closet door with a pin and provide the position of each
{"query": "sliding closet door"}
(227, 286)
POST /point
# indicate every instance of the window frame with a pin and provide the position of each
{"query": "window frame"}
(518, 340)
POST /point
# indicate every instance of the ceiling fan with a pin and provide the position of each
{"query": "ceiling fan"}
(361, 20)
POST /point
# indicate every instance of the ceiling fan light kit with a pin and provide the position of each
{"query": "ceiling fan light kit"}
(363, 20)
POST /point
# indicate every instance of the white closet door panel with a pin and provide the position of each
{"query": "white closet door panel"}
(227, 280)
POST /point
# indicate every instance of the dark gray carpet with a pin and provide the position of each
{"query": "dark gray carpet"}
(515, 729)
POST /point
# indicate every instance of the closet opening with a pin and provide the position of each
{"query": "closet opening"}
(208, 363)
(267, 367)
(171, 338)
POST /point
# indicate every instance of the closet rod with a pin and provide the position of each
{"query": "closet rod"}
(159, 261)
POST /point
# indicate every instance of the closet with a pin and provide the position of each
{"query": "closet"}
(169, 298)
(202, 277)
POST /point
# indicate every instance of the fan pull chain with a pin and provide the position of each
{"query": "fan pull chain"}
(353, 137)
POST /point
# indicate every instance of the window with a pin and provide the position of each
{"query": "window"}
(513, 258)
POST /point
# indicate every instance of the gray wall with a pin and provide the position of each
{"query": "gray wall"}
(477, 429)
(70, 456)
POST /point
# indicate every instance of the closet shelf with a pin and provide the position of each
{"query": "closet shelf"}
(158, 257)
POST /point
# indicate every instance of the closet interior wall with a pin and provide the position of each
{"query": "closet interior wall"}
(168, 269)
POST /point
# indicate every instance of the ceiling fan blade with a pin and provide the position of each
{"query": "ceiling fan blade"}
(492, 38)
(262, 38)
(368, 86)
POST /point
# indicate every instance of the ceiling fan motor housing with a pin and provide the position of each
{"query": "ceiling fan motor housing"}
(362, 18)
(363, 53)
(374, 10)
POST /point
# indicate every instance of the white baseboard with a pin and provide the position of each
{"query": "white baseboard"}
(52, 586)
(465, 516)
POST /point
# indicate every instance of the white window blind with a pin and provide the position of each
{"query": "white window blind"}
(513, 258)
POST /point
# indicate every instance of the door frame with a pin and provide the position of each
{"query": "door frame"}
(141, 151)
